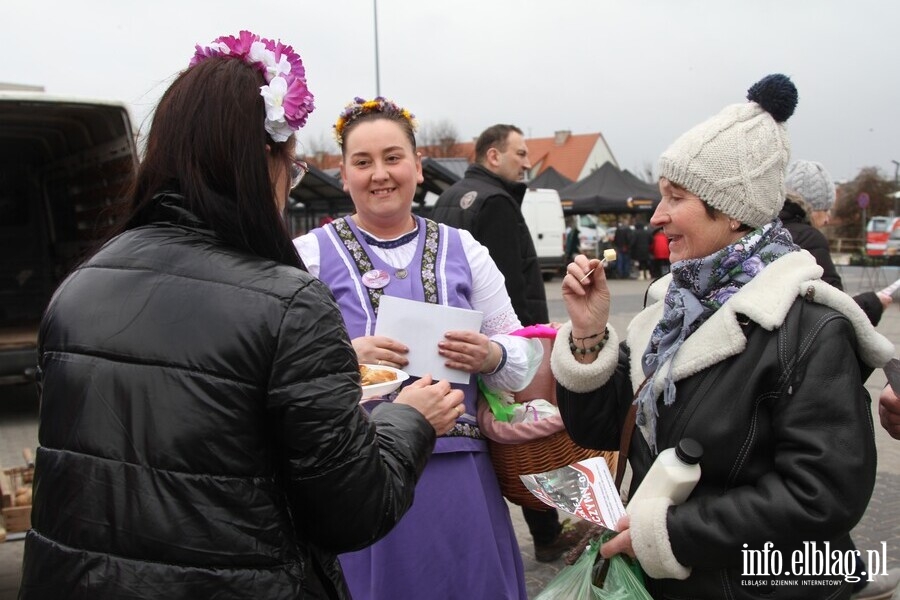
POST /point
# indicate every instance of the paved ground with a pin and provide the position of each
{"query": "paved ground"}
(881, 523)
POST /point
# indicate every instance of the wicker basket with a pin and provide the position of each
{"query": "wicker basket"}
(535, 448)
(537, 456)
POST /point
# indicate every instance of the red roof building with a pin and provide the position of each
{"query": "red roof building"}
(575, 156)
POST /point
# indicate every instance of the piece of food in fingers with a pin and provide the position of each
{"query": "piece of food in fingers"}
(609, 255)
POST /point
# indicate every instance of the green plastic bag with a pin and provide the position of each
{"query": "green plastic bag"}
(502, 412)
(622, 581)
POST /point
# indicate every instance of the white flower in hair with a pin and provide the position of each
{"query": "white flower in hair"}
(273, 94)
(287, 98)
(274, 68)
(260, 54)
(220, 47)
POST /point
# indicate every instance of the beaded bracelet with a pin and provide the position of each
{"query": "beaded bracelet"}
(595, 348)
(587, 337)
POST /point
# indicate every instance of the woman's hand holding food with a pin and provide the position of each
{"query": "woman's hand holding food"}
(380, 350)
(437, 402)
(470, 351)
(586, 295)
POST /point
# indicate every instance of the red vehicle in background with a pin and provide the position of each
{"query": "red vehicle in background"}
(878, 230)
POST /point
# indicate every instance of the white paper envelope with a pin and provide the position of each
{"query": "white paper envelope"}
(420, 326)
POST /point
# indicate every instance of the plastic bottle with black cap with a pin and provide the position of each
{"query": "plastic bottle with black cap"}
(673, 474)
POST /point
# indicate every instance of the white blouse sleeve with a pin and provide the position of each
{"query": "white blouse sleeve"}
(522, 355)
(307, 246)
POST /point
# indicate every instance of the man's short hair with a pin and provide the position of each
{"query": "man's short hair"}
(495, 136)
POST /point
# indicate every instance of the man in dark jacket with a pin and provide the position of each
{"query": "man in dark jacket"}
(488, 203)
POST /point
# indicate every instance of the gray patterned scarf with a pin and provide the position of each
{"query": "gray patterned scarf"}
(699, 287)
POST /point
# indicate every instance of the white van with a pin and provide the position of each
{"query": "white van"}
(543, 213)
(64, 164)
(591, 234)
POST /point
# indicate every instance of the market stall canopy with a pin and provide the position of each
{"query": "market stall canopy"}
(437, 178)
(609, 190)
(550, 178)
(322, 192)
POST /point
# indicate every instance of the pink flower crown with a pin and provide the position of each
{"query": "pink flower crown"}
(360, 106)
(288, 99)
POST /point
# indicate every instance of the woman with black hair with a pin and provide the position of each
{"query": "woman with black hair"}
(200, 433)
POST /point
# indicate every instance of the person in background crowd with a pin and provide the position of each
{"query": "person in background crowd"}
(659, 251)
(731, 352)
(572, 241)
(810, 196)
(200, 433)
(623, 242)
(457, 541)
(807, 207)
(640, 250)
(487, 202)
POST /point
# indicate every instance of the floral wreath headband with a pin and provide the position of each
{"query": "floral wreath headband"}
(287, 98)
(360, 107)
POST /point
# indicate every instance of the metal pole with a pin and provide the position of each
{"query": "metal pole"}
(377, 74)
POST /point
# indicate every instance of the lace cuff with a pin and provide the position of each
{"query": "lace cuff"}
(502, 322)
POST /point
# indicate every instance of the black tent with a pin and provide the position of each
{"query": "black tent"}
(609, 190)
(436, 178)
(319, 195)
(651, 190)
(551, 179)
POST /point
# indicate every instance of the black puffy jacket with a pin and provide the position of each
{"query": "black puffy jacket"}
(200, 432)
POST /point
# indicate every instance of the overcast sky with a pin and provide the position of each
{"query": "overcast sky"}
(641, 72)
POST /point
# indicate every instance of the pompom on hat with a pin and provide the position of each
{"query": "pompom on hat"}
(735, 161)
(810, 180)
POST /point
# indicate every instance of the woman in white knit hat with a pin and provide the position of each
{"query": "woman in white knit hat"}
(810, 179)
(807, 207)
(743, 349)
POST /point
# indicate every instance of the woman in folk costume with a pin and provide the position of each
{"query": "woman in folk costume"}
(746, 350)
(457, 541)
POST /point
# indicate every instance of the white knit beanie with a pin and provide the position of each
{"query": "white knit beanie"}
(811, 180)
(736, 160)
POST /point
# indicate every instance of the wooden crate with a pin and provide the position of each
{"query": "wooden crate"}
(17, 518)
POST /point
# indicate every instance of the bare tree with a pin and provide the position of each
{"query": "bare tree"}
(439, 139)
(847, 213)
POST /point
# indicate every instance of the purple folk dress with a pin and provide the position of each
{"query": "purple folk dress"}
(457, 540)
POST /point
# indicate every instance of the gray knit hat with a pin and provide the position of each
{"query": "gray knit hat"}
(812, 181)
(735, 161)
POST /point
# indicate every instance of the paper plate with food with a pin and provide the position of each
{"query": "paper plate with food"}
(380, 380)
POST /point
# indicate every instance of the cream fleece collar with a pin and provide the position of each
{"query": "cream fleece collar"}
(765, 300)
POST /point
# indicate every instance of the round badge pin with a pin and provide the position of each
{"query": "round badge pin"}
(401, 273)
(375, 279)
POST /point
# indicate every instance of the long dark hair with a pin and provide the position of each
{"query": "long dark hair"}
(208, 143)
